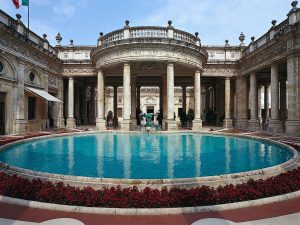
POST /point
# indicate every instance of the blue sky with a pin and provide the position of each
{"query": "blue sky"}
(215, 20)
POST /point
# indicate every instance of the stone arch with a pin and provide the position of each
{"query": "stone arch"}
(33, 77)
(9, 70)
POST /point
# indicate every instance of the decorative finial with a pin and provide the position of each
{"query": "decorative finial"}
(18, 16)
(45, 37)
(170, 23)
(58, 38)
(242, 38)
(127, 23)
(101, 34)
(294, 4)
(226, 43)
(71, 42)
(252, 39)
(274, 22)
(196, 34)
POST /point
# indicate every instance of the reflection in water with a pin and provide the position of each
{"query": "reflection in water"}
(149, 156)
(227, 154)
(197, 141)
(71, 161)
(127, 156)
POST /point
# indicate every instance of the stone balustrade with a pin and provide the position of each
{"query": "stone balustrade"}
(156, 34)
(275, 31)
(18, 26)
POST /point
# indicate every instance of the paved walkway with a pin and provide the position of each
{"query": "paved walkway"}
(255, 214)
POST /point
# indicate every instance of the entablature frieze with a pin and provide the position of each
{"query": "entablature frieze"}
(79, 71)
(148, 52)
(220, 70)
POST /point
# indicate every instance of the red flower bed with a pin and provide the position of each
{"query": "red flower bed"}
(14, 186)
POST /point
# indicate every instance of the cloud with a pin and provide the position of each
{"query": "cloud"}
(64, 8)
(217, 20)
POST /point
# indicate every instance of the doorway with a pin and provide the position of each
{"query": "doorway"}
(2, 113)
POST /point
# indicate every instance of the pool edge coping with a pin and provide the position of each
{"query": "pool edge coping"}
(213, 181)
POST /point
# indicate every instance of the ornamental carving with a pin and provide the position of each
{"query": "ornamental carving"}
(219, 72)
(52, 81)
(79, 71)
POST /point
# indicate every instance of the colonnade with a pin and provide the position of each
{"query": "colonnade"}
(131, 99)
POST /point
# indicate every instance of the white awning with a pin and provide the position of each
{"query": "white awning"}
(43, 94)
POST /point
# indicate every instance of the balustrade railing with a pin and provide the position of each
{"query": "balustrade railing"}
(277, 30)
(13, 24)
(149, 32)
(113, 36)
(184, 36)
(144, 32)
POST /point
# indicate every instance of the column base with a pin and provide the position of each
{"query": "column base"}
(170, 125)
(71, 122)
(100, 124)
(227, 123)
(133, 124)
(253, 125)
(275, 126)
(126, 125)
(242, 123)
(292, 127)
(60, 123)
(21, 126)
(197, 124)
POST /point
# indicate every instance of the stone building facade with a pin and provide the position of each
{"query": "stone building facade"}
(150, 68)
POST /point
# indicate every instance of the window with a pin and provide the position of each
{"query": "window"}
(120, 112)
(31, 108)
(1, 67)
(31, 76)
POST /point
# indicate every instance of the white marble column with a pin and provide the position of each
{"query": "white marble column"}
(126, 123)
(20, 126)
(197, 123)
(100, 121)
(59, 105)
(253, 122)
(275, 123)
(227, 120)
(266, 103)
(77, 104)
(170, 123)
(259, 107)
(293, 93)
(71, 120)
(165, 97)
(242, 102)
(133, 101)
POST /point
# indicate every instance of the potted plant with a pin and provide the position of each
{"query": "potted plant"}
(109, 118)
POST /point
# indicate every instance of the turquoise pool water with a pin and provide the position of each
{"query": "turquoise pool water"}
(147, 156)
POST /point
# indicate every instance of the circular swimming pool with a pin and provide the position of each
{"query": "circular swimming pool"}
(145, 156)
